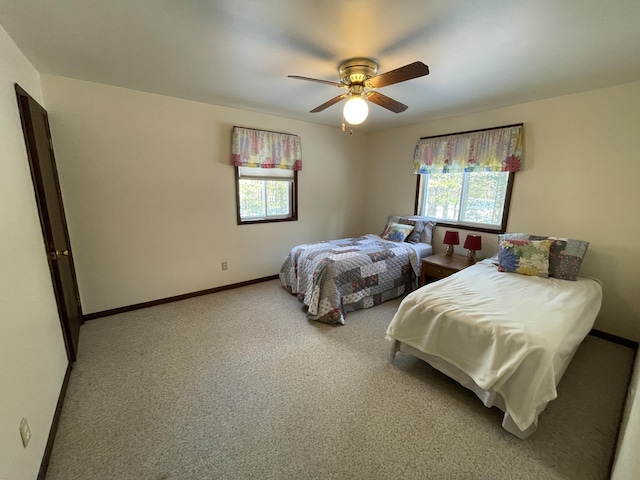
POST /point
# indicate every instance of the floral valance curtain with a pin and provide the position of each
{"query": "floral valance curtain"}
(491, 150)
(264, 149)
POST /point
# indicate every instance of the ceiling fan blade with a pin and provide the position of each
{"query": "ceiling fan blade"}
(386, 102)
(335, 84)
(402, 74)
(333, 101)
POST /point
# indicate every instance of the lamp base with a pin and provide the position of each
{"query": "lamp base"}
(449, 250)
(471, 255)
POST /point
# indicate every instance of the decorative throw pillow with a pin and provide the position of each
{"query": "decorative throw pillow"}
(423, 227)
(429, 225)
(565, 257)
(508, 236)
(427, 233)
(418, 228)
(527, 257)
(397, 232)
(391, 219)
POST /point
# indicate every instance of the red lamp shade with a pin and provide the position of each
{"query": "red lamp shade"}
(451, 238)
(473, 242)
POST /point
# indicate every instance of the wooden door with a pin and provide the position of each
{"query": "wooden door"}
(35, 126)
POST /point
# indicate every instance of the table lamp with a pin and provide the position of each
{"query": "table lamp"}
(451, 238)
(473, 243)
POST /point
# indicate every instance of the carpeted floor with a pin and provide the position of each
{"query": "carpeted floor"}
(240, 385)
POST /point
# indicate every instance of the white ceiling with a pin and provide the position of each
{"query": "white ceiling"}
(238, 53)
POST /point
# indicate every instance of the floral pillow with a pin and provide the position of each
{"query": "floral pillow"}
(565, 254)
(423, 227)
(509, 236)
(418, 228)
(527, 257)
(565, 257)
(397, 232)
(390, 219)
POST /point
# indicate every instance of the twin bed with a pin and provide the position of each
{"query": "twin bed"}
(507, 337)
(504, 328)
(335, 277)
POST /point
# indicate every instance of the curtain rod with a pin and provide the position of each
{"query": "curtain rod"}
(261, 130)
(474, 131)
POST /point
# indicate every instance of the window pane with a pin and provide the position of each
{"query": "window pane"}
(277, 198)
(475, 197)
(443, 192)
(485, 197)
(252, 198)
(265, 195)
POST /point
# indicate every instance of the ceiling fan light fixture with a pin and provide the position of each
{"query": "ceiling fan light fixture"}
(359, 74)
(355, 110)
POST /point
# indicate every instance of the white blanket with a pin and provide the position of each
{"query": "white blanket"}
(511, 333)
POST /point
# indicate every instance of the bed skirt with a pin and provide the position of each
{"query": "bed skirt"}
(489, 398)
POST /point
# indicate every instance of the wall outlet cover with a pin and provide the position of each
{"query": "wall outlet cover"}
(25, 432)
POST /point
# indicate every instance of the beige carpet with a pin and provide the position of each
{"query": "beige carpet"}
(240, 385)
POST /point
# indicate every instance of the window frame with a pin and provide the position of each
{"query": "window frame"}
(293, 203)
(502, 228)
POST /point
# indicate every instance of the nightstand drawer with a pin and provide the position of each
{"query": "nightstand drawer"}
(439, 266)
(435, 271)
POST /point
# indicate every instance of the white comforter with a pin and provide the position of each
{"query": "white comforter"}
(511, 333)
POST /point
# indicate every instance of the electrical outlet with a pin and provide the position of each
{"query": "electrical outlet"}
(25, 432)
(224, 265)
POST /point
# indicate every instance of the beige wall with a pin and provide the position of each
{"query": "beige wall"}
(32, 355)
(580, 180)
(149, 192)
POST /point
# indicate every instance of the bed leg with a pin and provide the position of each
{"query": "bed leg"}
(395, 346)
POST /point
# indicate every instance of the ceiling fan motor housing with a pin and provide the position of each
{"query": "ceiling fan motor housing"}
(357, 71)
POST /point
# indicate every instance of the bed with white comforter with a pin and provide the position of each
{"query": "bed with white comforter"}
(507, 337)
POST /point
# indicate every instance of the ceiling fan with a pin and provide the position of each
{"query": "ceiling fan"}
(359, 77)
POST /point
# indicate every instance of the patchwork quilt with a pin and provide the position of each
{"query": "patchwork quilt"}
(338, 276)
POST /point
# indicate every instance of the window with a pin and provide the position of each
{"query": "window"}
(476, 200)
(266, 194)
(267, 165)
(466, 179)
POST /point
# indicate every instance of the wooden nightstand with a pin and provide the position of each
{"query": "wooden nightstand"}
(439, 266)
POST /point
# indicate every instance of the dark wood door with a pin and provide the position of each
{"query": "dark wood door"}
(35, 125)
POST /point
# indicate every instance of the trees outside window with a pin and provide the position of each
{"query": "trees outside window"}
(265, 195)
(476, 199)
